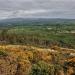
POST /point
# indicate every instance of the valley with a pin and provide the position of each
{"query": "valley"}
(37, 48)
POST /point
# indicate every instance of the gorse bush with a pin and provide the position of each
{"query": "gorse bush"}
(41, 68)
(3, 53)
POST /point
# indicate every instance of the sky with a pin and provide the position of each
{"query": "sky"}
(37, 9)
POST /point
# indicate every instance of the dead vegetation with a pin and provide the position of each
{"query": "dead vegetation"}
(29, 60)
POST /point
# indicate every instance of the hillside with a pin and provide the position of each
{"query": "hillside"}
(30, 60)
(37, 47)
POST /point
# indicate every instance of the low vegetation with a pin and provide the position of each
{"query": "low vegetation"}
(29, 60)
(3, 53)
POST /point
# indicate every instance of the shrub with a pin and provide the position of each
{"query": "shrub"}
(3, 53)
(42, 68)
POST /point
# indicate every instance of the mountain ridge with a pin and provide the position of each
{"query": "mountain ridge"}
(35, 20)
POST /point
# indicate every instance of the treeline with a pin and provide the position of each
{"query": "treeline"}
(29, 39)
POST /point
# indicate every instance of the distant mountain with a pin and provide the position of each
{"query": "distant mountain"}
(34, 20)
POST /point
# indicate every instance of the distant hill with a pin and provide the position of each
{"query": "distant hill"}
(34, 20)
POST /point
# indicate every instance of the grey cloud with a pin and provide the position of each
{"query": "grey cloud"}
(37, 8)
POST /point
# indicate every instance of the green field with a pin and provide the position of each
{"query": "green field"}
(43, 35)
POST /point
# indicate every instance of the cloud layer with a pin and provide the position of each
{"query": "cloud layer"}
(37, 8)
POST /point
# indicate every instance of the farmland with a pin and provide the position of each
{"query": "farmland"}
(43, 35)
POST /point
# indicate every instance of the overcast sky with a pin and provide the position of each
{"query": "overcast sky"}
(37, 8)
